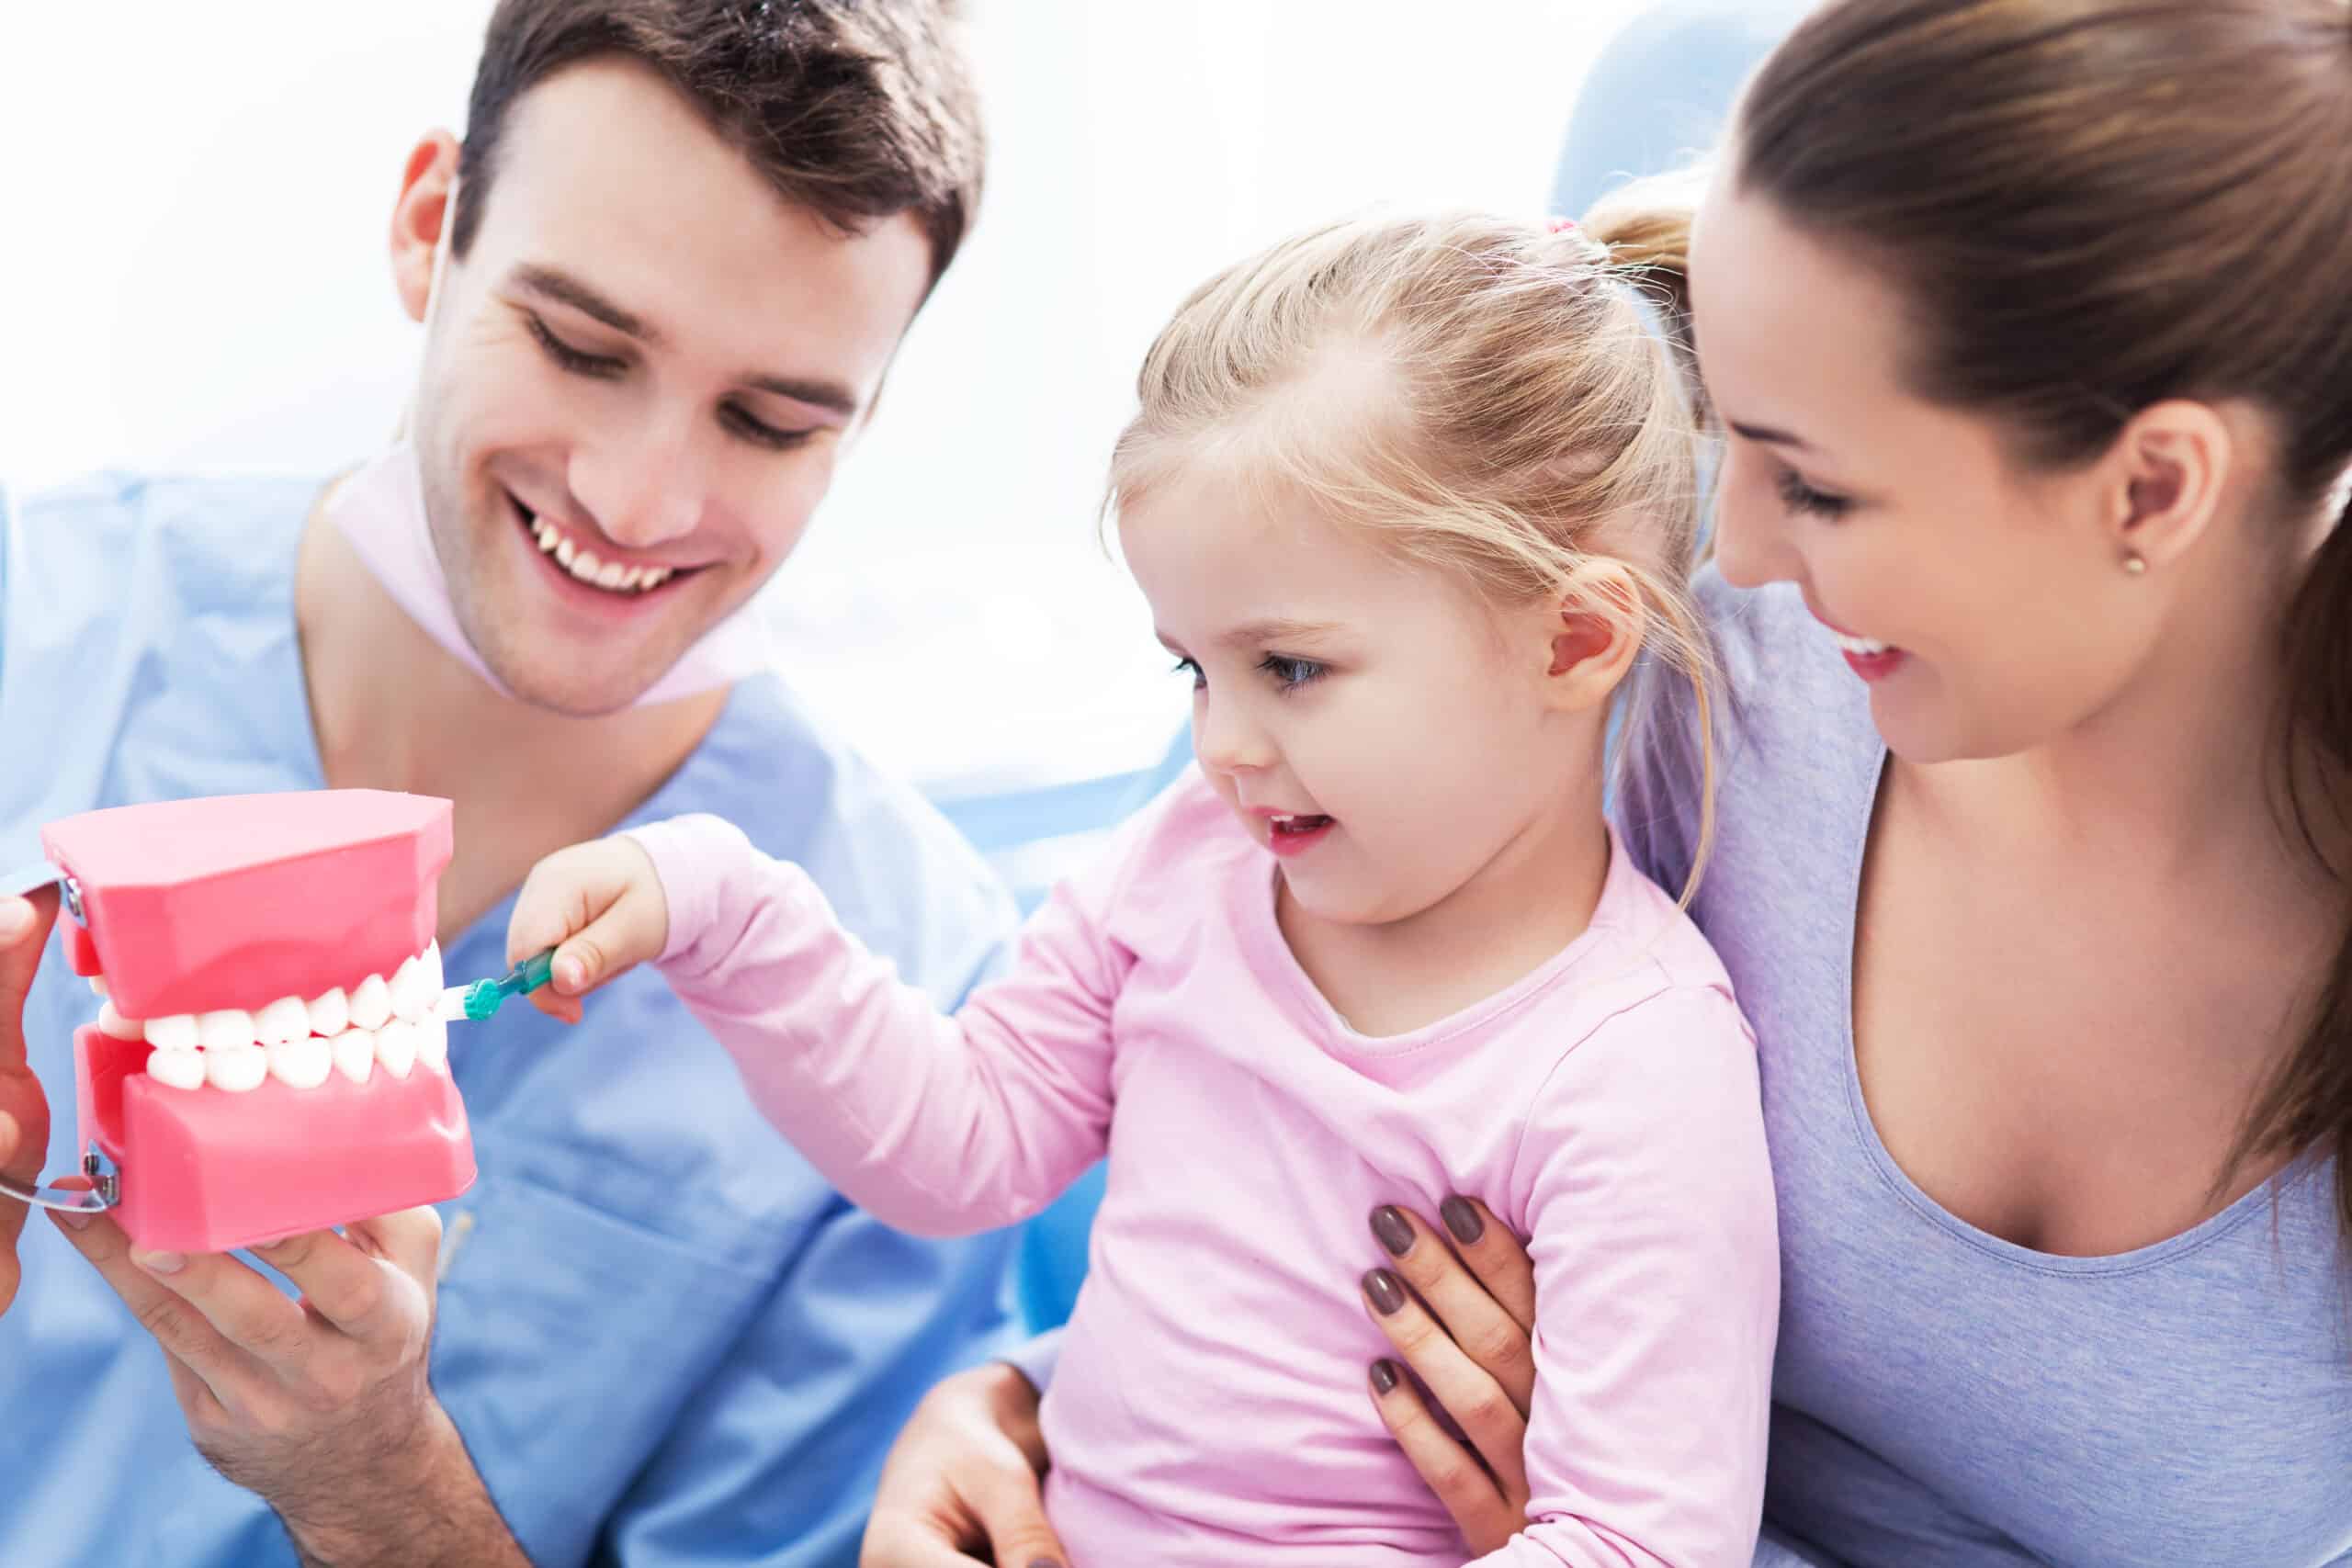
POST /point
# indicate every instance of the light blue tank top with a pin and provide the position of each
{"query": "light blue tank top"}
(1944, 1399)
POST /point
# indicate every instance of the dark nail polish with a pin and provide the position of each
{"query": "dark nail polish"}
(1395, 1233)
(1044, 1562)
(1387, 1295)
(1461, 1220)
(1384, 1377)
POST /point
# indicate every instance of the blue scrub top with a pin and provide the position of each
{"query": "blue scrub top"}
(664, 1338)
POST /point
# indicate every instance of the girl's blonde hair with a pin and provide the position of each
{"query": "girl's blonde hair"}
(1504, 400)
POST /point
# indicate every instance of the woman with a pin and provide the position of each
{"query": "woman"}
(2026, 328)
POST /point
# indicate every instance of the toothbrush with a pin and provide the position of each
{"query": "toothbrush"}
(482, 998)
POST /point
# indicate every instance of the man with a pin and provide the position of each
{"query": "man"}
(662, 282)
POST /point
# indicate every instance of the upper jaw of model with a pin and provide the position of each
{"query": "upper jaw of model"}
(353, 1029)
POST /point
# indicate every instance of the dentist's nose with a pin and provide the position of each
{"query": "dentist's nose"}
(643, 489)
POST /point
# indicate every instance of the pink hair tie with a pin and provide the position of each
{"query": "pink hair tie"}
(1563, 226)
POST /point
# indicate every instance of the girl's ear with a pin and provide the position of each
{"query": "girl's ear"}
(1590, 634)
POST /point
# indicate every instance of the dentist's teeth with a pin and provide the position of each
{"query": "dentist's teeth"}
(180, 1069)
(176, 1033)
(225, 1029)
(330, 1014)
(301, 1064)
(412, 991)
(396, 1047)
(283, 1020)
(433, 1045)
(371, 1003)
(354, 1054)
(114, 1024)
(237, 1068)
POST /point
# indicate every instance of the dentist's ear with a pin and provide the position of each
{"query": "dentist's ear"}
(420, 217)
(1591, 633)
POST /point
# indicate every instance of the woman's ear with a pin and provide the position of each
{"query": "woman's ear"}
(1592, 632)
(2167, 471)
(427, 184)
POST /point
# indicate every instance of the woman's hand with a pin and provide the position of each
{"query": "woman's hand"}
(1459, 1316)
(964, 1478)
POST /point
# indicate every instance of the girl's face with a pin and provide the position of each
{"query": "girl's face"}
(1376, 725)
(1985, 606)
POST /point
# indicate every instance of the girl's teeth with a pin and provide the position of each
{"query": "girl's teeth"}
(1861, 647)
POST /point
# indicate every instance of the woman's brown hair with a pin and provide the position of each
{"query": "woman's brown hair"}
(2090, 207)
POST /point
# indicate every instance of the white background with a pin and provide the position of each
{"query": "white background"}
(194, 200)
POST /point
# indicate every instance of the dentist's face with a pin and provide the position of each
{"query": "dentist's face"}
(637, 382)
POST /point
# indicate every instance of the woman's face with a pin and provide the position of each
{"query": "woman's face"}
(1979, 600)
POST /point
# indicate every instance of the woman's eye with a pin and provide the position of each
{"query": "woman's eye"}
(577, 361)
(1186, 667)
(1799, 496)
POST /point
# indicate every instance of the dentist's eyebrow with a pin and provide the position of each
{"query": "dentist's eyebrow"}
(550, 283)
(565, 289)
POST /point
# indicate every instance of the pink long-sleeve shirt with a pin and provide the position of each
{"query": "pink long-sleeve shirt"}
(1210, 1407)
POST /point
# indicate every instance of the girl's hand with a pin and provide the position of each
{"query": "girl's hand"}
(600, 904)
(1459, 1316)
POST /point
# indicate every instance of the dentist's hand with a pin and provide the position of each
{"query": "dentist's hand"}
(24, 1110)
(321, 1406)
(601, 905)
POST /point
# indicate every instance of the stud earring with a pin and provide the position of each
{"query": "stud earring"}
(2134, 564)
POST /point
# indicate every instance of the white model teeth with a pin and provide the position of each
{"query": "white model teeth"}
(396, 1047)
(610, 576)
(224, 1029)
(1861, 647)
(329, 1013)
(287, 1019)
(237, 1068)
(377, 1023)
(176, 1033)
(354, 1054)
(98, 985)
(412, 994)
(371, 1003)
(181, 1069)
(301, 1064)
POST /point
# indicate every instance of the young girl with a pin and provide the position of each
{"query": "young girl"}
(1407, 500)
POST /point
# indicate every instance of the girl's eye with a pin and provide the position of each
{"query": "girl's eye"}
(1186, 667)
(1290, 674)
(1799, 496)
(571, 359)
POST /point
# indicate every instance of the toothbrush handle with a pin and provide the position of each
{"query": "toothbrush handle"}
(531, 974)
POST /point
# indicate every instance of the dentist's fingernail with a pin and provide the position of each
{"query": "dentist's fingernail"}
(160, 1262)
(1387, 1295)
(72, 1219)
(1395, 1233)
(1383, 1376)
(1461, 1220)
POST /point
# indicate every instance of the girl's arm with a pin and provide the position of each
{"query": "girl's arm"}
(1649, 1202)
(935, 1126)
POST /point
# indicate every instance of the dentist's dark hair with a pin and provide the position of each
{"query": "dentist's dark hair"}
(857, 109)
